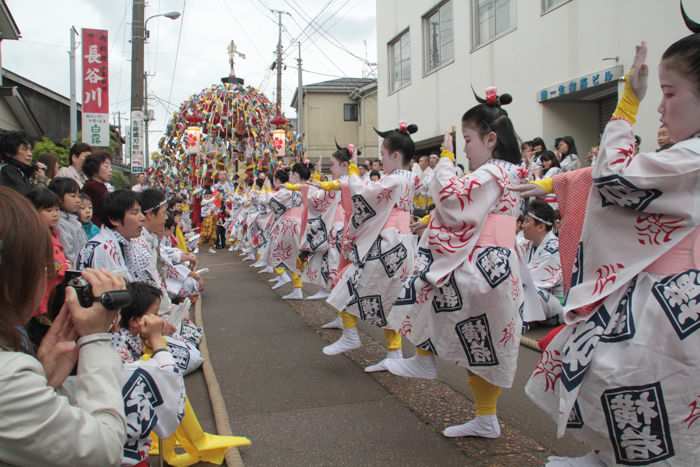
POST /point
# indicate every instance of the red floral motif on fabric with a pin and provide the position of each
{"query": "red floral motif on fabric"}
(384, 195)
(606, 275)
(625, 156)
(281, 252)
(424, 294)
(507, 334)
(445, 240)
(549, 367)
(694, 414)
(514, 287)
(461, 188)
(406, 327)
(656, 229)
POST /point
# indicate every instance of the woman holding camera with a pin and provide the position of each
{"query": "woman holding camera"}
(48, 417)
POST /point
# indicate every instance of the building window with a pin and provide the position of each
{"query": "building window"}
(438, 38)
(350, 112)
(549, 5)
(400, 60)
(492, 19)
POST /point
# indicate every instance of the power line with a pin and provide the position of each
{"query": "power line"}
(303, 30)
(177, 50)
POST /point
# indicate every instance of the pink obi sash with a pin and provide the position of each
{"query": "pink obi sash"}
(498, 230)
(685, 255)
(399, 220)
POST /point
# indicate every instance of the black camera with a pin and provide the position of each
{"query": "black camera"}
(114, 300)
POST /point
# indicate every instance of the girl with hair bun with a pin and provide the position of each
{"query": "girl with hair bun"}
(288, 232)
(623, 375)
(325, 229)
(462, 301)
(378, 243)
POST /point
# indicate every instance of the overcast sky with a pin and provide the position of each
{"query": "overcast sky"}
(207, 27)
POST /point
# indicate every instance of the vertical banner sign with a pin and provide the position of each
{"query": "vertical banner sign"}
(95, 109)
(138, 141)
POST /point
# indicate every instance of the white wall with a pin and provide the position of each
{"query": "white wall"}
(565, 43)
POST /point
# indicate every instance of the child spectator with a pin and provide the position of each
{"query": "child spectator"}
(70, 230)
(375, 175)
(85, 216)
(48, 206)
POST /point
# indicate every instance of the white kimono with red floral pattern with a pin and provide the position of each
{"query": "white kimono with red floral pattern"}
(320, 236)
(382, 257)
(463, 299)
(283, 225)
(624, 376)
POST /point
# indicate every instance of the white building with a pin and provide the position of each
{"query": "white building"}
(561, 60)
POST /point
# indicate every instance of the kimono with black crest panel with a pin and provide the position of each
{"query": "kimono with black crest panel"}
(624, 376)
(380, 246)
(463, 299)
(321, 233)
(279, 225)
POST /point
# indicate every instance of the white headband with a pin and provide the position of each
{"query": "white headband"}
(539, 219)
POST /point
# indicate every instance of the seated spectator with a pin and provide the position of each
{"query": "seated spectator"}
(568, 156)
(78, 153)
(123, 221)
(550, 165)
(46, 167)
(47, 205)
(663, 139)
(541, 251)
(375, 175)
(98, 169)
(49, 418)
(70, 230)
(16, 169)
(85, 216)
(140, 184)
(141, 332)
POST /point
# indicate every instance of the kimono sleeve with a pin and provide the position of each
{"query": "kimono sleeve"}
(654, 182)
(373, 201)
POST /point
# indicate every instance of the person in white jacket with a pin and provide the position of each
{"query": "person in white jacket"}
(49, 418)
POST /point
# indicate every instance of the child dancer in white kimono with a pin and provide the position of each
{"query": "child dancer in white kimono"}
(462, 303)
(382, 246)
(624, 375)
(288, 232)
(540, 249)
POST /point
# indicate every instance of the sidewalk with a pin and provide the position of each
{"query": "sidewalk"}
(301, 408)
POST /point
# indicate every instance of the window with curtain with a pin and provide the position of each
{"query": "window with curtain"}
(438, 36)
(492, 18)
(400, 60)
(350, 112)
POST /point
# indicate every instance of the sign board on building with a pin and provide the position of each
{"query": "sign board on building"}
(581, 83)
(95, 110)
(137, 141)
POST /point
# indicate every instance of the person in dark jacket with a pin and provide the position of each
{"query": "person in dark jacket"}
(98, 169)
(16, 168)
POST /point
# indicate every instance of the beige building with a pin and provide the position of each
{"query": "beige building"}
(344, 109)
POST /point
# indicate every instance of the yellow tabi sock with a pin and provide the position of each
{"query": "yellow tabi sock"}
(485, 395)
(349, 320)
(423, 353)
(297, 283)
(279, 271)
(393, 339)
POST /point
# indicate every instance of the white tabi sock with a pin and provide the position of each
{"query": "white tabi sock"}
(394, 355)
(320, 295)
(283, 279)
(418, 366)
(486, 426)
(589, 460)
(337, 323)
(295, 294)
(350, 340)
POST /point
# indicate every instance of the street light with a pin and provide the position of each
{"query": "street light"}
(170, 15)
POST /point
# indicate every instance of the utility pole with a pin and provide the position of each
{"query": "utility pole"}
(137, 82)
(300, 97)
(146, 116)
(279, 57)
(73, 99)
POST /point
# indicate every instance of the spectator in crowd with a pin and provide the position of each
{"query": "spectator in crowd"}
(47, 205)
(70, 230)
(16, 169)
(592, 155)
(538, 146)
(568, 157)
(123, 221)
(78, 154)
(140, 183)
(98, 169)
(433, 160)
(85, 216)
(375, 175)
(637, 144)
(550, 164)
(46, 168)
(663, 139)
(376, 166)
(44, 421)
(364, 170)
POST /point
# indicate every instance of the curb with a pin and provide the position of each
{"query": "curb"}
(530, 343)
(218, 406)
